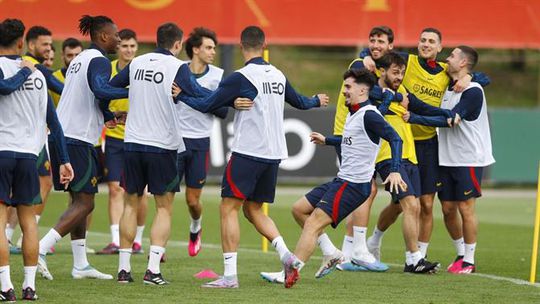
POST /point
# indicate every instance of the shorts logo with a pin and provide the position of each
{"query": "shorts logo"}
(47, 165)
(467, 192)
(323, 202)
(202, 181)
(93, 181)
(438, 184)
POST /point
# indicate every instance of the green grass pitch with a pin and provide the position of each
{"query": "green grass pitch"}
(504, 250)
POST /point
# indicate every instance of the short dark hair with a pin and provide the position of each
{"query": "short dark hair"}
(361, 76)
(433, 30)
(71, 43)
(391, 58)
(35, 31)
(126, 34)
(10, 31)
(195, 39)
(167, 34)
(53, 48)
(382, 30)
(92, 25)
(252, 37)
(471, 55)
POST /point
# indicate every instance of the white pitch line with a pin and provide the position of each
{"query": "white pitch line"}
(216, 246)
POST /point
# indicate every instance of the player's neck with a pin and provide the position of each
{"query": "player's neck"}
(122, 63)
(248, 55)
(9, 51)
(458, 74)
(197, 66)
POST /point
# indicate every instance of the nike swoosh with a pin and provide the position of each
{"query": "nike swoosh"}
(153, 59)
(439, 184)
(155, 252)
(228, 258)
(467, 192)
(267, 71)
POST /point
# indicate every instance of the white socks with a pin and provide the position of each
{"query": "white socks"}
(376, 237)
(459, 244)
(326, 245)
(29, 277)
(359, 240)
(78, 247)
(124, 259)
(412, 258)
(139, 235)
(51, 238)
(195, 225)
(115, 234)
(156, 252)
(469, 253)
(5, 278)
(229, 263)
(347, 247)
(423, 248)
(280, 246)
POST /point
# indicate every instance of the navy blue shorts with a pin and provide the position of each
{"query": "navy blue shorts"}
(427, 153)
(114, 160)
(409, 174)
(193, 163)
(157, 170)
(339, 198)
(460, 183)
(249, 179)
(83, 159)
(19, 182)
(43, 164)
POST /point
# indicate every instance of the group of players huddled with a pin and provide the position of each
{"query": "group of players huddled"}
(158, 113)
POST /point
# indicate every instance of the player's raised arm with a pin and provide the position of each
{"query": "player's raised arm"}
(232, 87)
(302, 102)
(7, 86)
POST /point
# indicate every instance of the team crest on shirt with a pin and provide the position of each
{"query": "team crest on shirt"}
(47, 165)
(93, 181)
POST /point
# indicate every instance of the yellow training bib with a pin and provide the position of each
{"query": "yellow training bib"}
(117, 105)
(428, 88)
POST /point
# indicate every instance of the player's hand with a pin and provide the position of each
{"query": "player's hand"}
(462, 83)
(121, 117)
(405, 101)
(323, 99)
(406, 116)
(66, 174)
(243, 104)
(317, 138)
(175, 90)
(28, 64)
(369, 63)
(396, 183)
(111, 124)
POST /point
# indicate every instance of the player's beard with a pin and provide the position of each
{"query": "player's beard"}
(393, 85)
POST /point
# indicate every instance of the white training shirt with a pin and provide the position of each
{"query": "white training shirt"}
(259, 131)
(194, 124)
(78, 109)
(153, 118)
(469, 143)
(358, 152)
(23, 113)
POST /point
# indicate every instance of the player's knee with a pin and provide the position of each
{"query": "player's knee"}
(46, 182)
(115, 189)
(466, 209)
(247, 213)
(449, 209)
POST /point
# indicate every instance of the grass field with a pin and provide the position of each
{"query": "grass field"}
(504, 249)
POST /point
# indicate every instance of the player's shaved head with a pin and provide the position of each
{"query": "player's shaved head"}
(168, 34)
(252, 38)
(434, 31)
(361, 76)
(470, 54)
(11, 31)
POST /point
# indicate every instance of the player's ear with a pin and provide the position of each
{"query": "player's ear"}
(20, 44)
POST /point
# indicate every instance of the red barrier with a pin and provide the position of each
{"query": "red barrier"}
(490, 24)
